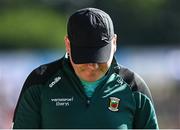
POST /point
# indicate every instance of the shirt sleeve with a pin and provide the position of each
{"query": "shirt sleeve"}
(145, 116)
(27, 113)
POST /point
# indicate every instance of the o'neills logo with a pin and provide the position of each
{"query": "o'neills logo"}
(114, 104)
(56, 79)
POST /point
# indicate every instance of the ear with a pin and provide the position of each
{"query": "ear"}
(114, 42)
(67, 44)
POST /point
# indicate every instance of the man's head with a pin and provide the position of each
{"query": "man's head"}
(91, 42)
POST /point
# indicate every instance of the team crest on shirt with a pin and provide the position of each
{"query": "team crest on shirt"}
(114, 104)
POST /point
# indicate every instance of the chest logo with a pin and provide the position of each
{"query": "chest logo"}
(62, 102)
(114, 104)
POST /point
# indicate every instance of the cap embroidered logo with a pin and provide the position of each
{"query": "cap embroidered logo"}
(114, 104)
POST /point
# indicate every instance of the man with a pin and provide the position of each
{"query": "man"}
(86, 88)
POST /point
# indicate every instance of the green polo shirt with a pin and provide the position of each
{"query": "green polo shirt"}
(54, 97)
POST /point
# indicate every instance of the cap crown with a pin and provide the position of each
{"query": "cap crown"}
(90, 27)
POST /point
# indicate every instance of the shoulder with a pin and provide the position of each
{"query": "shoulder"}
(36, 79)
(135, 81)
(43, 73)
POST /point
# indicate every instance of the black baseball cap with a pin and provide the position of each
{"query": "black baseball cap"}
(90, 32)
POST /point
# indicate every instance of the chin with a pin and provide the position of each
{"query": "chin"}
(91, 79)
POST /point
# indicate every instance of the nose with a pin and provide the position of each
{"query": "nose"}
(92, 66)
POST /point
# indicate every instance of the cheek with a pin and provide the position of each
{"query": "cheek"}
(104, 68)
(81, 68)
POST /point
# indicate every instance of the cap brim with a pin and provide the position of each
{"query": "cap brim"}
(82, 55)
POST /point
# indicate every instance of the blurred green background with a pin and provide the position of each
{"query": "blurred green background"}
(40, 24)
(32, 32)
